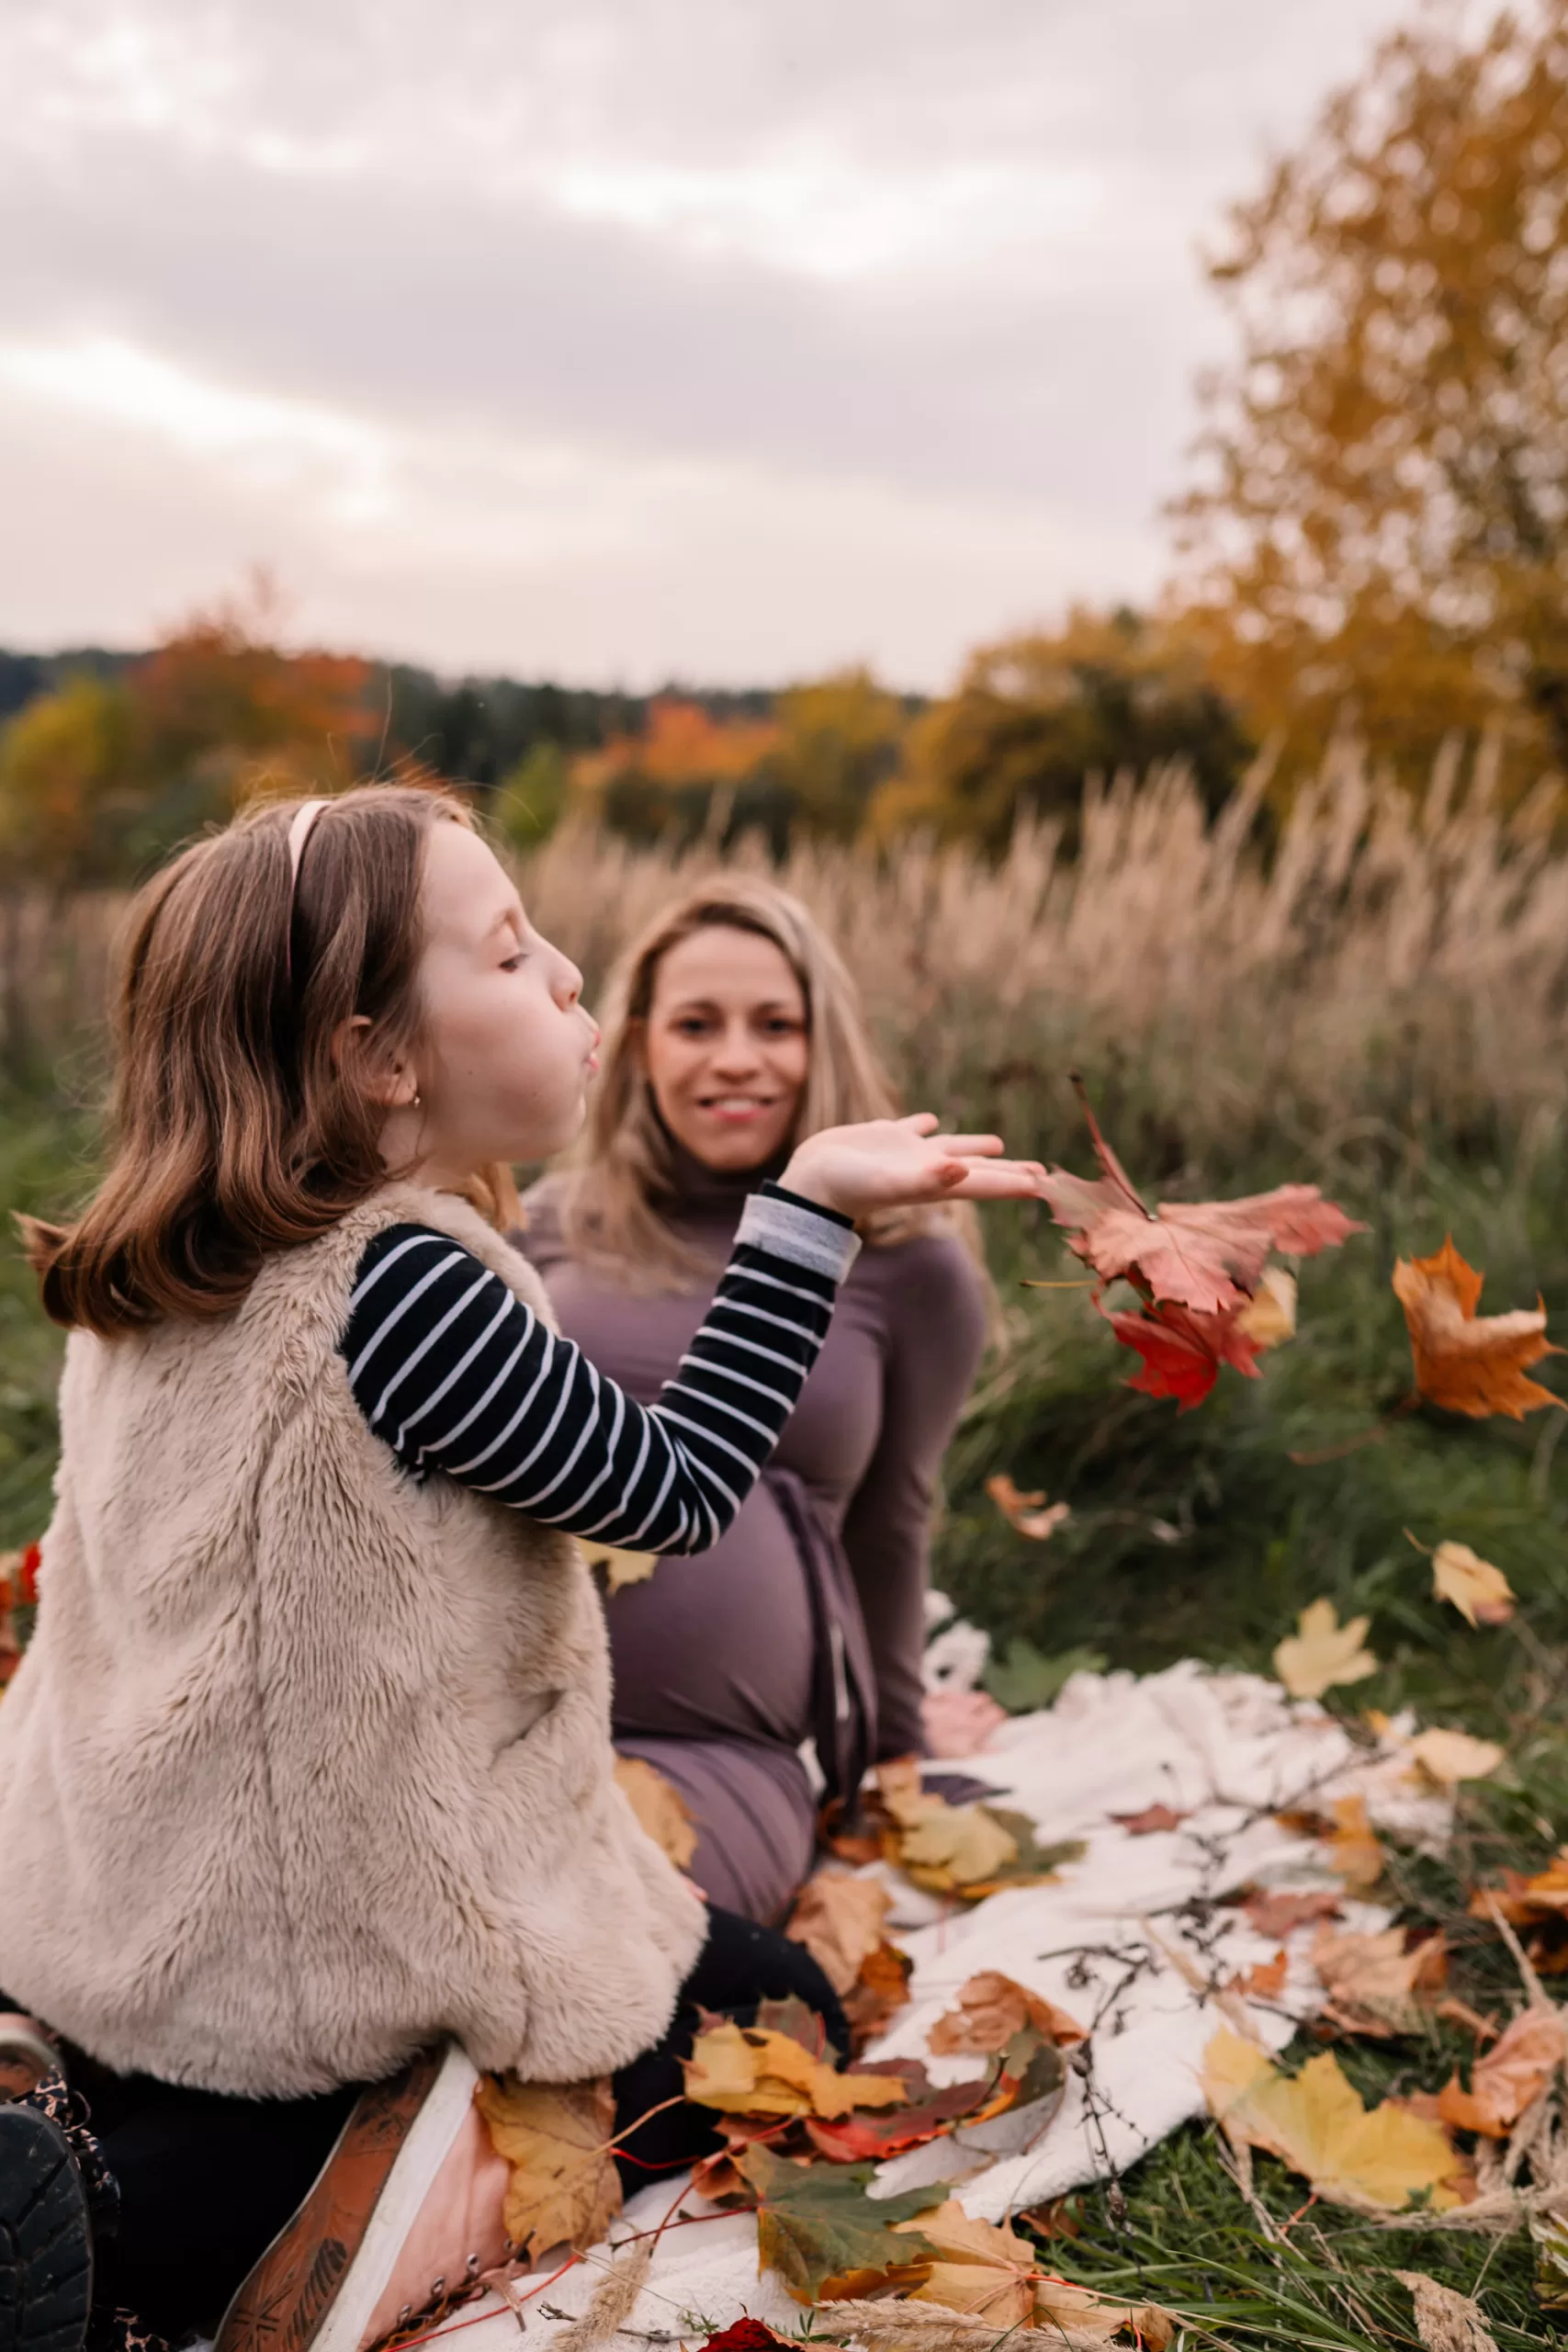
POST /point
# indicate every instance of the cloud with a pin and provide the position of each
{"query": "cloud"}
(733, 340)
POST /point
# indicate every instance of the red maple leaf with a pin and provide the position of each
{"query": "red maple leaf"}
(1182, 1352)
(1204, 1255)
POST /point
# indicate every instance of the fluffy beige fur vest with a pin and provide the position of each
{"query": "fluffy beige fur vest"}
(308, 1763)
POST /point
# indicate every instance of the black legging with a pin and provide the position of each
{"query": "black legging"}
(207, 2181)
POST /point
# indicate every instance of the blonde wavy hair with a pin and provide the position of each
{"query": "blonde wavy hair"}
(622, 1168)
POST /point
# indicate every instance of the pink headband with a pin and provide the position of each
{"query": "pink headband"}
(300, 831)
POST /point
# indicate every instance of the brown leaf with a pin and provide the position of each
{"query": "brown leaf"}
(1265, 1980)
(1466, 1362)
(1510, 2078)
(557, 2137)
(620, 1568)
(1481, 1593)
(991, 2009)
(980, 2268)
(1322, 1652)
(1276, 1914)
(1152, 1818)
(1526, 1902)
(1374, 1985)
(839, 1919)
(1024, 1511)
(880, 1991)
(1353, 1849)
(659, 1807)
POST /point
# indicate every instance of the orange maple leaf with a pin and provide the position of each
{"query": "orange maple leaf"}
(1469, 1362)
(1205, 1255)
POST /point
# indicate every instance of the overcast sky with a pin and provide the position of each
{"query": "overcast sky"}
(618, 340)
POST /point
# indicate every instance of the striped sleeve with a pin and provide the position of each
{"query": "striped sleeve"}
(458, 1374)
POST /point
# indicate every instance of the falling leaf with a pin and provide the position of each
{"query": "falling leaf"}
(878, 1993)
(1152, 1818)
(1510, 2078)
(745, 2071)
(1265, 1980)
(1444, 2320)
(659, 1807)
(1448, 1757)
(1374, 1985)
(1270, 1318)
(1354, 1853)
(1024, 1511)
(1204, 1254)
(1274, 1913)
(991, 2011)
(1322, 1652)
(839, 1919)
(1183, 1350)
(1481, 1593)
(1466, 1362)
(556, 2138)
(825, 2239)
(620, 1568)
(1314, 2122)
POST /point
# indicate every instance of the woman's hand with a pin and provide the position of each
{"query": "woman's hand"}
(891, 1163)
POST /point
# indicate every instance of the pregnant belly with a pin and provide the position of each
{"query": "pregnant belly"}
(718, 1644)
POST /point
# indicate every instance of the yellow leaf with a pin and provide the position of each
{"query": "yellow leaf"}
(661, 1809)
(839, 1919)
(1270, 1317)
(1078, 2312)
(1354, 1852)
(743, 2071)
(1322, 1651)
(1380, 2156)
(957, 1846)
(984, 2270)
(1449, 1756)
(1481, 1593)
(564, 2188)
(620, 1568)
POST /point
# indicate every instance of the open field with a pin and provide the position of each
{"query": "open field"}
(1380, 1007)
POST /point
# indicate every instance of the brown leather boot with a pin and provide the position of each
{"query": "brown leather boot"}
(405, 2216)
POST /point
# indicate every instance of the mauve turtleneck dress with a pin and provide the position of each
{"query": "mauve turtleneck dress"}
(713, 1654)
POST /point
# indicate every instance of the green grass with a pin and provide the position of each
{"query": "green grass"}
(1197, 1535)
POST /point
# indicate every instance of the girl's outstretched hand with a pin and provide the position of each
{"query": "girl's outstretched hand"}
(889, 1163)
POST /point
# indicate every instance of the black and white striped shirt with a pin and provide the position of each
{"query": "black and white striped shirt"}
(458, 1374)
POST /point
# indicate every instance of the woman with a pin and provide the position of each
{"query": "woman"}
(732, 1030)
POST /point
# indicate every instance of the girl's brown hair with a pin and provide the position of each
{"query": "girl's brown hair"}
(242, 1120)
(622, 1172)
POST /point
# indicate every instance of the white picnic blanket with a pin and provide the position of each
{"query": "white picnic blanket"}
(1125, 1939)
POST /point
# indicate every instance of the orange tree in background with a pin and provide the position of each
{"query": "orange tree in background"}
(1035, 716)
(103, 776)
(1382, 534)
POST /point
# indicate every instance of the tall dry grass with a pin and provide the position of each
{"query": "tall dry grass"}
(1371, 960)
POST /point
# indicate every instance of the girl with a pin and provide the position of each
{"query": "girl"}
(308, 1767)
(734, 1031)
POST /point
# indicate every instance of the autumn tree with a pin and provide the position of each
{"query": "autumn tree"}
(1380, 529)
(1034, 716)
(839, 739)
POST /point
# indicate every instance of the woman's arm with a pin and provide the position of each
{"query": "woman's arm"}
(934, 1334)
(458, 1374)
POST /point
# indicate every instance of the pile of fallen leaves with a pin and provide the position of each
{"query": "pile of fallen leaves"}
(965, 1850)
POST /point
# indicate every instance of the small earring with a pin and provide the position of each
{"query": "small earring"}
(414, 1104)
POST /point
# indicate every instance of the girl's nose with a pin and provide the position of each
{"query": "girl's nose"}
(566, 986)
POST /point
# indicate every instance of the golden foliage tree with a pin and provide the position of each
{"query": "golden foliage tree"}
(1381, 532)
(1034, 716)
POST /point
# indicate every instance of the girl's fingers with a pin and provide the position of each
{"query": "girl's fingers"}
(972, 1146)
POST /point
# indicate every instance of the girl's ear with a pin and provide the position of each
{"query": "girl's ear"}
(386, 1079)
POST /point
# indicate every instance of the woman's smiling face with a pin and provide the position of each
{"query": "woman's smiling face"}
(727, 1046)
